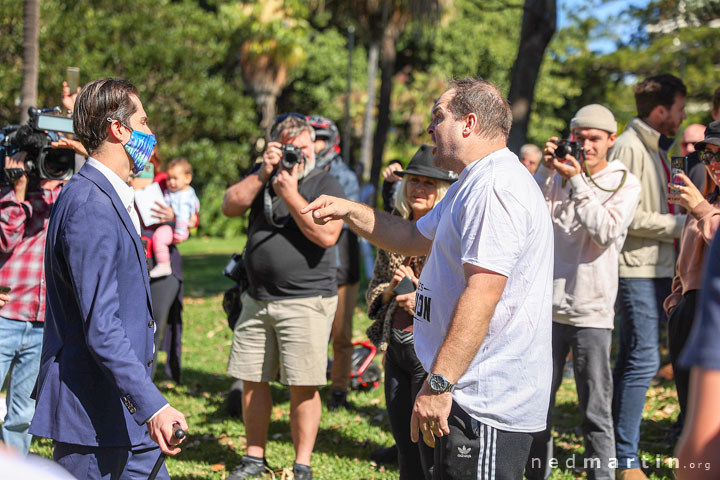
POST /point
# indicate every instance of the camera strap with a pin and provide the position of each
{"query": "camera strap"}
(270, 203)
(587, 172)
(612, 190)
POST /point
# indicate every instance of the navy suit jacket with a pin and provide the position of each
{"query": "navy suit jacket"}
(94, 386)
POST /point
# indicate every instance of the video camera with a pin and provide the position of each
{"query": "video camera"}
(41, 160)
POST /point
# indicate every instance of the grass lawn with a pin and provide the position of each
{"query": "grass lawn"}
(216, 441)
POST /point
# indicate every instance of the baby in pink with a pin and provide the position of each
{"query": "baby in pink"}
(181, 197)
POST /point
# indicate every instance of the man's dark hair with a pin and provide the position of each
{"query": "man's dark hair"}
(98, 101)
(657, 90)
(475, 95)
(716, 100)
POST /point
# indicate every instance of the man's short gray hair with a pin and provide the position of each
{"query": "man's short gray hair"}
(290, 127)
(531, 148)
(474, 95)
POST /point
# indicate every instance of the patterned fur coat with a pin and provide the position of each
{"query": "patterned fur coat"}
(385, 265)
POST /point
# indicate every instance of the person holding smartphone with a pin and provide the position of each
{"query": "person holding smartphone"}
(702, 222)
(391, 302)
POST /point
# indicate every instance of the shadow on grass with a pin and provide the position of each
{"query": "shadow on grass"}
(206, 278)
(332, 440)
(569, 441)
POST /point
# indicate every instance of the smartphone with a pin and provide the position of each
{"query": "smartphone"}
(406, 285)
(677, 165)
(4, 289)
(73, 78)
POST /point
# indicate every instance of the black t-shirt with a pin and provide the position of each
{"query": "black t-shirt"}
(282, 262)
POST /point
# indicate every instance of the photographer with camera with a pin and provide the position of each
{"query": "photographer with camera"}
(25, 206)
(591, 203)
(290, 303)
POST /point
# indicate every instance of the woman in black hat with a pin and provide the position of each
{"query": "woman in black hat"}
(703, 220)
(391, 302)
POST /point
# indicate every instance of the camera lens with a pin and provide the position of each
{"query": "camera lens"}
(562, 150)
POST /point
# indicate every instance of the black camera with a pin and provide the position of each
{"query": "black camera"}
(41, 160)
(568, 147)
(291, 155)
(235, 268)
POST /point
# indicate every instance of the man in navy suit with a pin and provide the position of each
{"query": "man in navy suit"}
(95, 396)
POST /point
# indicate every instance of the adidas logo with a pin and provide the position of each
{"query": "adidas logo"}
(464, 452)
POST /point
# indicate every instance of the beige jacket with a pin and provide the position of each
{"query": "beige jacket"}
(648, 251)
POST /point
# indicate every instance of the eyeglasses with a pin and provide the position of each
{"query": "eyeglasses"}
(707, 156)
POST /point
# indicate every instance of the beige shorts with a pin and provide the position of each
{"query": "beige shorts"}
(292, 334)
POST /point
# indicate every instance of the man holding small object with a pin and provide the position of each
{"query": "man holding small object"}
(98, 346)
(482, 322)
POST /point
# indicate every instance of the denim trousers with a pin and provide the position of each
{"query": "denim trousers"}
(640, 313)
(20, 347)
(591, 367)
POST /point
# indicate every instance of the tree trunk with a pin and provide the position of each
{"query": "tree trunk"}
(387, 65)
(266, 102)
(31, 19)
(538, 27)
(366, 143)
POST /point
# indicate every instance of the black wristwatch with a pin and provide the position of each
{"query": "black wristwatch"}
(439, 384)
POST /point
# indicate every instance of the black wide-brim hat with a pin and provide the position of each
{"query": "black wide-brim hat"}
(421, 164)
(712, 136)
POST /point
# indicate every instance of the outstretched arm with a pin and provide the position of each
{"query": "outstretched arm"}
(386, 231)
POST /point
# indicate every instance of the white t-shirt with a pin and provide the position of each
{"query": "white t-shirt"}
(493, 217)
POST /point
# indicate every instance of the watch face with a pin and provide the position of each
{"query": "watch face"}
(437, 383)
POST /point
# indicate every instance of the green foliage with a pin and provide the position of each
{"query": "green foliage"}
(187, 62)
(320, 84)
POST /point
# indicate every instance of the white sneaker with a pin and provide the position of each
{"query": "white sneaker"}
(161, 270)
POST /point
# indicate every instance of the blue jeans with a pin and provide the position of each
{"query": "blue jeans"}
(20, 347)
(640, 311)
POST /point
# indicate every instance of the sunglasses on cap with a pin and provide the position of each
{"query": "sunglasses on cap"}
(707, 156)
(282, 117)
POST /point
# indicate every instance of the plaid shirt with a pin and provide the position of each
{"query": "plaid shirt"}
(23, 228)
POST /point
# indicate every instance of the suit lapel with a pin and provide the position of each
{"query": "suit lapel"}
(95, 176)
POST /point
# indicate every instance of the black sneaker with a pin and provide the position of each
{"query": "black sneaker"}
(302, 472)
(338, 399)
(250, 467)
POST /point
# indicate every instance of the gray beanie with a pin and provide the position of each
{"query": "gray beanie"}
(594, 116)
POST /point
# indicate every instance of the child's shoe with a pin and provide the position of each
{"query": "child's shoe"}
(161, 270)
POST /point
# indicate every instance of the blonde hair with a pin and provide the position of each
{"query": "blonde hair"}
(402, 204)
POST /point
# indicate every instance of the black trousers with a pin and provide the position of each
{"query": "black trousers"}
(404, 376)
(476, 451)
(164, 292)
(679, 326)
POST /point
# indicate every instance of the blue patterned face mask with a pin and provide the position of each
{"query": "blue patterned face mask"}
(139, 147)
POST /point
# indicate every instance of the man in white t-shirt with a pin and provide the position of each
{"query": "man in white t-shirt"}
(483, 310)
